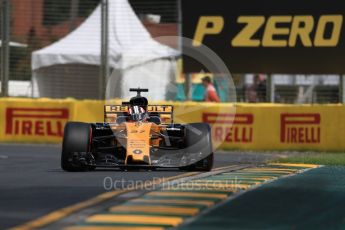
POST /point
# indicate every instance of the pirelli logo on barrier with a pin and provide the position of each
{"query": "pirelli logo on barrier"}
(300, 128)
(36, 121)
(231, 128)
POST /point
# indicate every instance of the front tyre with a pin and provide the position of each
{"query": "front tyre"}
(198, 140)
(77, 139)
(205, 165)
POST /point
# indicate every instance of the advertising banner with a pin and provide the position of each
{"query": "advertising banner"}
(233, 126)
(269, 36)
(34, 121)
(272, 127)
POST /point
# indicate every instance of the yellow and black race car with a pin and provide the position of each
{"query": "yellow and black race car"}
(137, 135)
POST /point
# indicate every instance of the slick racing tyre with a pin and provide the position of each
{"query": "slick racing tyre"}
(77, 138)
(198, 140)
(205, 165)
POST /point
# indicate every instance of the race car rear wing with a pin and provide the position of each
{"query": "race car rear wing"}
(165, 112)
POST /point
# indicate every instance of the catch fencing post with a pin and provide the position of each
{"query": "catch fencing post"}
(104, 70)
(74, 11)
(270, 88)
(188, 86)
(5, 51)
(342, 89)
(179, 24)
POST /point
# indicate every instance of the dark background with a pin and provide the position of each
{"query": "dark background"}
(295, 60)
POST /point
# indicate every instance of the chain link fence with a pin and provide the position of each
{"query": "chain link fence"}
(34, 25)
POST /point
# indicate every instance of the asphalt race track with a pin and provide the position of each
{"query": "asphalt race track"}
(32, 183)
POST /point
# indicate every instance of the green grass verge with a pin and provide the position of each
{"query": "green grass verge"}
(315, 158)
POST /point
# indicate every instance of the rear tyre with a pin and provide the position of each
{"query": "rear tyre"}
(77, 138)
(198, 139)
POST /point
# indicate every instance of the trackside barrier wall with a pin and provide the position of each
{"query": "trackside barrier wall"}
(240, 126)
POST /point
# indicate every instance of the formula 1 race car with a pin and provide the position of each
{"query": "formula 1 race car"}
(137, 135)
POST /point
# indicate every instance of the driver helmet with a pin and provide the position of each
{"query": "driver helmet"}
(137, 113)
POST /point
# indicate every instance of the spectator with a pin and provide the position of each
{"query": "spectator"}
(257, 91)
(210, 91)
(261, 88)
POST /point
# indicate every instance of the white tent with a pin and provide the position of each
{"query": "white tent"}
(70, 66)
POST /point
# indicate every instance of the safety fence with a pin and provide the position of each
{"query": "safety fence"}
(234, 126)
(31, 25)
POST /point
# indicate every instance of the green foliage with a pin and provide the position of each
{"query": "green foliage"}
(20, 67)
(87, 6)
(57, 11)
